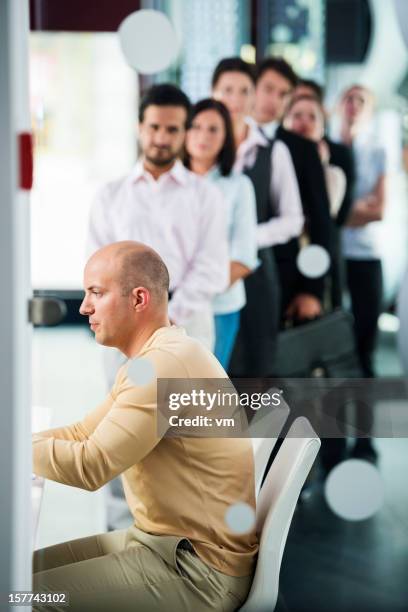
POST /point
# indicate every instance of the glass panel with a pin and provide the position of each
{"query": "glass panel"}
(209, 30)
(83, 100)
(296, 31)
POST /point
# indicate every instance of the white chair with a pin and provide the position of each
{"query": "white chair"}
(267, 424)
(275, 507)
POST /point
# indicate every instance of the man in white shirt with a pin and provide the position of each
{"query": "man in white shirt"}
(279, 213)
(167, 207)
(180, 215)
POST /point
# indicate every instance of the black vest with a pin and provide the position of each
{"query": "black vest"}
(256, 341)
(261, 175)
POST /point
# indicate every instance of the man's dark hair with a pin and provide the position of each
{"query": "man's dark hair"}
(226, 156)
(317, 89)
(279, 65)
(165, 94)
(232, 64)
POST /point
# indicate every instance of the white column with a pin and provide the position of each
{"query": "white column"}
(15, 350)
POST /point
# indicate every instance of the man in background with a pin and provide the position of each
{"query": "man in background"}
(275, 82)
(171, 209)
(341, 156)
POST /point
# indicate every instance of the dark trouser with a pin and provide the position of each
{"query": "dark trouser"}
(364, 280)
(288, 273)
(337, 271)
(255, 345)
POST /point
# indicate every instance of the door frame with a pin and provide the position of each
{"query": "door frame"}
(15, 291)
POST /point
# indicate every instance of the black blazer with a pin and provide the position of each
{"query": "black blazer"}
(342, 156)
(315, 202)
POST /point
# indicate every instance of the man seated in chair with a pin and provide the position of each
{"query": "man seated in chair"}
(180, 554)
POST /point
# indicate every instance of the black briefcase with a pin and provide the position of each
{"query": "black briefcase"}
(323, 347)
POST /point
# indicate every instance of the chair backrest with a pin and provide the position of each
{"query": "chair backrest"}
(265, 428)
(275, 507)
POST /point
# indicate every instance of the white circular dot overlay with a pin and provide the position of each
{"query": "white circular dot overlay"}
(354, 490)
(148, 41)
(141, 371)
(313, 261)
(240, 517)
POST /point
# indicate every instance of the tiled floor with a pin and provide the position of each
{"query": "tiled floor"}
(346, 566)
(343, 566)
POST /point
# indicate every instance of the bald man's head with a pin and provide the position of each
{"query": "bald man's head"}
(133, 264)
(126, 291)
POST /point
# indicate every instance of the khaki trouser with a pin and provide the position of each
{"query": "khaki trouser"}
(133, 570)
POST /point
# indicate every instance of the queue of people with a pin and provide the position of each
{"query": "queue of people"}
(204, 234)
(228, 191)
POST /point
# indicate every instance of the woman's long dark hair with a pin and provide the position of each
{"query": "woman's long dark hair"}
(226, 156)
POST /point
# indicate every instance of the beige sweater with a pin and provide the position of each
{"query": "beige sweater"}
(173, 485)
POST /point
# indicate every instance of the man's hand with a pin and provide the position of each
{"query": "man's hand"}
(304, 306)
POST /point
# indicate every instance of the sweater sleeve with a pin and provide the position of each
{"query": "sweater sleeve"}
(112, 438)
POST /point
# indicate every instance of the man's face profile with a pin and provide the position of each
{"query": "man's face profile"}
(162, 133)
(108, 310)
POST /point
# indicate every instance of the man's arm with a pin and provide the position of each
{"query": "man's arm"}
(316, 205)
(81, 430)
(286, 199)
(120, 437)
(208, 272)
(312, 185)
(315, 198)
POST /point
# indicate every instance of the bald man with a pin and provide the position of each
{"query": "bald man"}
(179, 554)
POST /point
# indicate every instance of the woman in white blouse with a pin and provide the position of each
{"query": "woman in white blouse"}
(363, 236)
(210, 152)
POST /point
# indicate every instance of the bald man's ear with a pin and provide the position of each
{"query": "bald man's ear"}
(140, 298)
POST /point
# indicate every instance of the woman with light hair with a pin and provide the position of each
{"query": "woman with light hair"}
(361, 236)
(362, 239)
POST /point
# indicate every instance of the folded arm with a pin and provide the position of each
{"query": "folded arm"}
(370, 208)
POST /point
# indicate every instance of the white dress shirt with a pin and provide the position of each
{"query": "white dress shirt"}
(183, 217)
(268, 129)
(284, 189)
